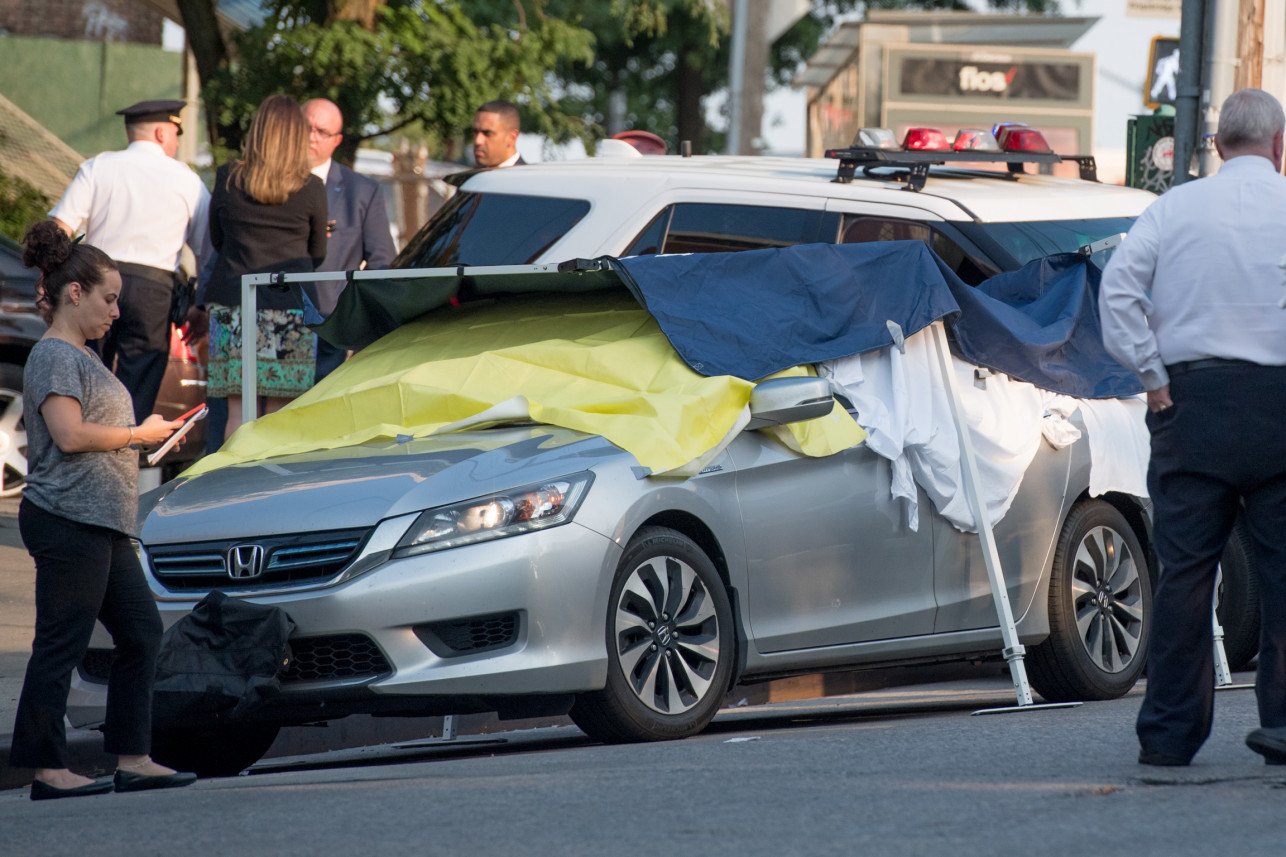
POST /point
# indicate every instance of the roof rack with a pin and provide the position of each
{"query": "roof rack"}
(917, 163)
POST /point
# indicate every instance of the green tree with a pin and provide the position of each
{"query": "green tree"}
(391, 64)
(20, 206)
(659, 59)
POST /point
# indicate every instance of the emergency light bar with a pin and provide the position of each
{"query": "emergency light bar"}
(1011, 143)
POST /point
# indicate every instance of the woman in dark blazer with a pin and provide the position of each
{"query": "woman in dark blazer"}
(267, 215)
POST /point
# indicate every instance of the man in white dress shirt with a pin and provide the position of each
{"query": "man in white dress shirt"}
(140, 206)
(1190, 302)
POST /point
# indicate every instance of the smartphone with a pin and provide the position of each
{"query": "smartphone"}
(189, 419)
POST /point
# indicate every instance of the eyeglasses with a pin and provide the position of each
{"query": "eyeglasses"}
(314, 131)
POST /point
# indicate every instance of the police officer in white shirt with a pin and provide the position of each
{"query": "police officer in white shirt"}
(1190, 302)
(140, 206)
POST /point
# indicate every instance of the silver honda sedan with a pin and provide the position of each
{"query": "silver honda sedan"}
(533, 570)
(528, 569)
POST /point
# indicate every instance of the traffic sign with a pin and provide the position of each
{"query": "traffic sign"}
(1162, 82)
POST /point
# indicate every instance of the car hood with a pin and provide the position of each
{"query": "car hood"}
(358, 486)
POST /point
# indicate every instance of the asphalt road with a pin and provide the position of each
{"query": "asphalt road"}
(894, 772)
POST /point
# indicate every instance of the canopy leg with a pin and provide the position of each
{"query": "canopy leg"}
(249, 349)
(1223, 675)
(1013, 650)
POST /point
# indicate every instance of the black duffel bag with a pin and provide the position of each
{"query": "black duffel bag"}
(220, 662)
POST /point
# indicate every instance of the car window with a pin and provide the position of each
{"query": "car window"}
(652, 238)
(491, 229)
(1025, 241)
(699, 227)
(863, 228)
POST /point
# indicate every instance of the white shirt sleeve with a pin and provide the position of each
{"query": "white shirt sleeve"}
(1125, 302)
(73, 209)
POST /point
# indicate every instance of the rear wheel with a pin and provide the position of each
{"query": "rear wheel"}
(1100, 609)
(670, 644)
(1238, 604)
(13, 434)
(219, 750)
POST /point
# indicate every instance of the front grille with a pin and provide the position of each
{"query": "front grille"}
(338, 656)
(298, 558)
(470, 636)
(325, 658)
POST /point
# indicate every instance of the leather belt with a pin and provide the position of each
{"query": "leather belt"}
(1208, 363)
(146, 272)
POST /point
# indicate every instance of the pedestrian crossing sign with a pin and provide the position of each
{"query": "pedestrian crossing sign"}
(1162, 81)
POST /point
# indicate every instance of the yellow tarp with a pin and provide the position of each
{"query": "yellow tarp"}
(595, 363)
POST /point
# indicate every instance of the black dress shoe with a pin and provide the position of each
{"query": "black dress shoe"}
(127, 782)
(1269, 743)
(1160, 760)
(43, 791)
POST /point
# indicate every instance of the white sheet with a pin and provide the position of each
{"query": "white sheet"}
(902, 401)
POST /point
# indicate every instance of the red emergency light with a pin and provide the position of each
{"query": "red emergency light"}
(925, 140)
(1020, 138)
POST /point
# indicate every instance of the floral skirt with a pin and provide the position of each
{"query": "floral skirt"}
(286, 358)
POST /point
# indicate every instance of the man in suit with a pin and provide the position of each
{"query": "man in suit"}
(495, 135)
(357, 232)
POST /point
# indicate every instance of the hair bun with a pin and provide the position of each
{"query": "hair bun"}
(46, 246)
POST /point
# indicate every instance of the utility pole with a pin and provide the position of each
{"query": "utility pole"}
(1187, 102)
(756, 24)
(737, 75)
(1250, 43)
(1219, 75)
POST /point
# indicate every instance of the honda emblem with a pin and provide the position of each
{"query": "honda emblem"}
(245, 561)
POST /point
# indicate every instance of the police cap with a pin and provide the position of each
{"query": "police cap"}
(154, 111)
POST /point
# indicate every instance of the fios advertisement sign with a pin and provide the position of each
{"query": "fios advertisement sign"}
(985, 77)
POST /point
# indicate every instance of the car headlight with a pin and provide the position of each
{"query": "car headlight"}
(495, 516)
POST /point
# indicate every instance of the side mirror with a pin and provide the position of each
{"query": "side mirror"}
(789, 400)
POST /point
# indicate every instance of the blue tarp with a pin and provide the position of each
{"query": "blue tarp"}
(756, 312)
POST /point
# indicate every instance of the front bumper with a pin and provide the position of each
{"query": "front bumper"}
(553, 582)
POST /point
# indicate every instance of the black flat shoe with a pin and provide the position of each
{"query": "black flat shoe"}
(1269, 743)
(43, 791)
(127, 782)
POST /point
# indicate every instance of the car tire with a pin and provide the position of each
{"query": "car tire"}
(218, 750)
(13, 434)
(1100, 609)
(670, 644)
(1238, 604)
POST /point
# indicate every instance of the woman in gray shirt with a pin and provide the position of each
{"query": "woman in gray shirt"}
(77, 515)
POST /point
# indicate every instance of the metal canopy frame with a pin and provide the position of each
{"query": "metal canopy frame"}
(1013, 651)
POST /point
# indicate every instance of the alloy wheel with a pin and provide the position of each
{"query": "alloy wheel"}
(13, 444)
(1108, 599)
(667, 635)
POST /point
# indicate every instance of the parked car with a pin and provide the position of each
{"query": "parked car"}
(634, 603)
(21, 327)
(979, 222)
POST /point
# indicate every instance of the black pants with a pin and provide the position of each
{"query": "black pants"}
(1223, 443)
(139, 341)
(84, 573)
